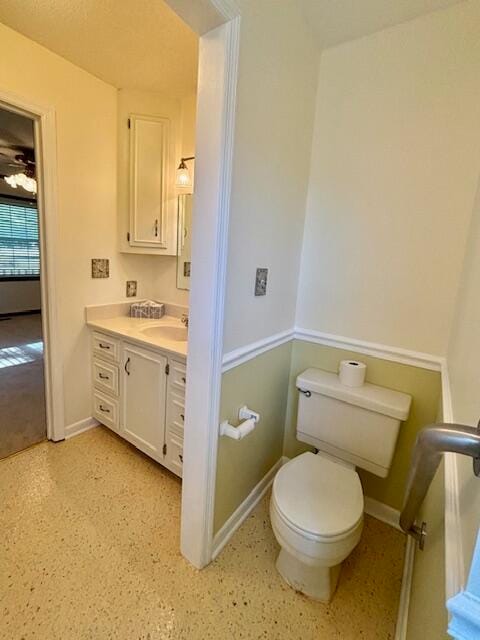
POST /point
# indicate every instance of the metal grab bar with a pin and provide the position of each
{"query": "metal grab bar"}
(431, 443)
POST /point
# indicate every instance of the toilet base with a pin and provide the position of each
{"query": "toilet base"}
(318, 583)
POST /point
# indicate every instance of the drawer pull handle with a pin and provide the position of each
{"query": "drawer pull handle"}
(103, 346)
(102, 408)
(181, 457)
(184, 380)
(103, 377)
(127, 370)
(182, 417)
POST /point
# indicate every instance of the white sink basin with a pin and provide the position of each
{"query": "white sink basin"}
(167, 332)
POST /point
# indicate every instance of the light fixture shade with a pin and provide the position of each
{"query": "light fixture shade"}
(183, 176)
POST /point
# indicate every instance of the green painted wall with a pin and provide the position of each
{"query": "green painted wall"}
(262, 384)
(423, 385)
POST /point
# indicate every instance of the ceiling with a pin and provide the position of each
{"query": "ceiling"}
(337, 21)
(144, 45)
(16, 139)
(140, 44)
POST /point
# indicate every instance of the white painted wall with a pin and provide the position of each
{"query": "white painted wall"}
(17, 295)
(274, 118)
(395, 160)
(86, 113)
(188, 111)
(463, 359)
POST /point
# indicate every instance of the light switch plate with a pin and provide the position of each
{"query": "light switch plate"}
(100, 268)
(261, 282)
(131, 288)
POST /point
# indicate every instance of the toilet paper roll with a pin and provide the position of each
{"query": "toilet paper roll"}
(352, 373)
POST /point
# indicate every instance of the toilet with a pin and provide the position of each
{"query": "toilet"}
(316, 508)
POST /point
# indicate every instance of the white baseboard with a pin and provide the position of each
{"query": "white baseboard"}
(405, 591)
(243, 511)
(382, 512)
(79, 427)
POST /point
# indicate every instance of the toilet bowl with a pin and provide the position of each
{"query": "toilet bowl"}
(316, 507)
(316, 511)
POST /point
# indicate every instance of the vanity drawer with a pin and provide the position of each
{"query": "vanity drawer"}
(174, 457)
(106, 347)
(178, 372)
(175, 413)
(105, 410)
(105, 376)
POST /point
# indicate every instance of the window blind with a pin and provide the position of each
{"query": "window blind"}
(19, 246)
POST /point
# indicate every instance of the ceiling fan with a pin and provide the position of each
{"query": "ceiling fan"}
(18, 165)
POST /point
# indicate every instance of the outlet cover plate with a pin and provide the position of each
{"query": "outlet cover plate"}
(261, 282)
(131, 288)
(100, 268)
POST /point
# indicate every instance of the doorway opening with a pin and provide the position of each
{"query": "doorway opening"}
(22, 379)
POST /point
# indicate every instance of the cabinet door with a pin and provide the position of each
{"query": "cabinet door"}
(148, 180)
(143, 399)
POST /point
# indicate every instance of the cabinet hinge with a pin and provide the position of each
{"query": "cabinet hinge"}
(129, 123)
(164, 449)
(167, 369)
(128, 236)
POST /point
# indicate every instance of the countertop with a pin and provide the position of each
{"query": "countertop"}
(133, 330)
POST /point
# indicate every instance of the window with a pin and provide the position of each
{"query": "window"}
(19, 247)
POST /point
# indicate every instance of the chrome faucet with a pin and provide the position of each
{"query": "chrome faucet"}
(184, 319)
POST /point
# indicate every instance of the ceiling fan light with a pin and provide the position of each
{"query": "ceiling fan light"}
(23, 181)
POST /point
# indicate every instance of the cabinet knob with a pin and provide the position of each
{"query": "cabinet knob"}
(103, 346)
(127, 370)
(181, 457)
(103, 377)
(182, 417)
(104, 409)
(184, 380)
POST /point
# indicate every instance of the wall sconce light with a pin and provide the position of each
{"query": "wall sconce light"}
(183, 174)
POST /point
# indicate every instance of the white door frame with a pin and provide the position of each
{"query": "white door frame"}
(46, 161)
(216, 101)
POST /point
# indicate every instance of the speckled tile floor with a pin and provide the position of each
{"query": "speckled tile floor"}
(90, 551)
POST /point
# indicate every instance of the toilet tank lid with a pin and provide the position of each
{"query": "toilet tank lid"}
(369, 396)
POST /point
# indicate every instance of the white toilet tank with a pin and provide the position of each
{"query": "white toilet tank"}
(357, 424)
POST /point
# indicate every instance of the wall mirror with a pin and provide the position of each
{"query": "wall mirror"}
(184, 244)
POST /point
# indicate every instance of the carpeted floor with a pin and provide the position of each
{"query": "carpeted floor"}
(22, 391)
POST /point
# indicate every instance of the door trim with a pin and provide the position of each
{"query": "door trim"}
(216, 101)
(46, 156)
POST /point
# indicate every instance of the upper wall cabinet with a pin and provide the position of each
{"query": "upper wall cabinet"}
(148, 181)
(154, 132)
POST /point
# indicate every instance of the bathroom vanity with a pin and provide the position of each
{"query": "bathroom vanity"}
(139, 380)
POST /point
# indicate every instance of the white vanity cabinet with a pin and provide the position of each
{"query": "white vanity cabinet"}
(175, 416)
(139, 393)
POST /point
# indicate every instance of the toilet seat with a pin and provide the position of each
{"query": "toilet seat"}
(318, 498)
